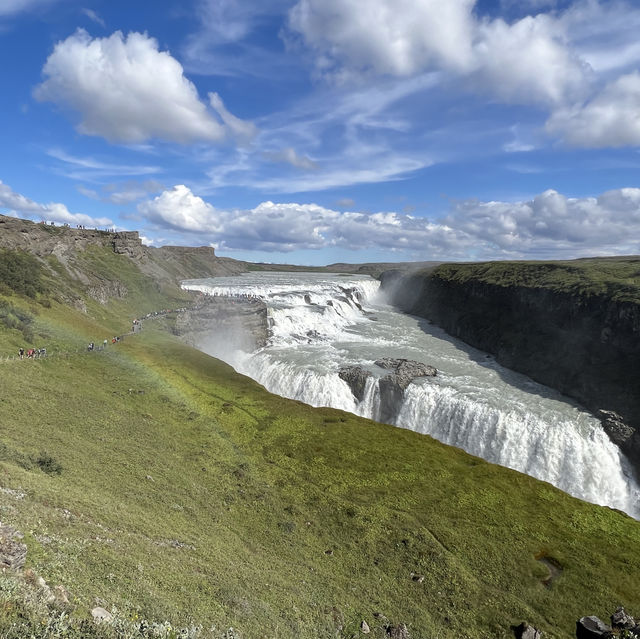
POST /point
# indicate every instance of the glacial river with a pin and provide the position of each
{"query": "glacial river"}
(322, 322)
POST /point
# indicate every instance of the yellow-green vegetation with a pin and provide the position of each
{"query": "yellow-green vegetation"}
(155, 479)
(616, 278)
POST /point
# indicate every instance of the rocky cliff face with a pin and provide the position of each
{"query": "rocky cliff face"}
(167, 263)
(586, 346)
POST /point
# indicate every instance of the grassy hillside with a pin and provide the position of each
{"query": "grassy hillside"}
(615, 278)
(154, 478)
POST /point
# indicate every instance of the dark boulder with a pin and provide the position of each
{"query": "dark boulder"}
(356, 378)
(614, 426)
(392, 386)
(623, 620)
(623, 435)
(398, 632)
(592, 628)
(525, 631)
(406, 370)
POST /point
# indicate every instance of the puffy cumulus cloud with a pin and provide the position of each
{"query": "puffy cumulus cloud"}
(180, 209)
(271, 227)
(284, 227)
(553, 225)
(610, 119)
(400, 37)
(126, 90)
(528, 61)
(20, 205)
(524, 61)
(549, 225)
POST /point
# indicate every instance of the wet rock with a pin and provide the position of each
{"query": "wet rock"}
(356, 378)
(13, 553)
(614, 426)
(100, 615)
(525, 631)
(398, 632)
(623, 620)
(392, 386)
(406, 370)
(591, 628)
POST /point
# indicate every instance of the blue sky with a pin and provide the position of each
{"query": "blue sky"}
(315, 131)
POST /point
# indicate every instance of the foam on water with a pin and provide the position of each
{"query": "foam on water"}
(322, 322)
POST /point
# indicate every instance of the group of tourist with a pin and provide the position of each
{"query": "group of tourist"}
(32, 353)
(35, 353)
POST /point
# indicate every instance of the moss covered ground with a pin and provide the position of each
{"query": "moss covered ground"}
(616, 278)
(155, 479)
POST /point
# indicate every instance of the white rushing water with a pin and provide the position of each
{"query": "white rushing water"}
(322, 322)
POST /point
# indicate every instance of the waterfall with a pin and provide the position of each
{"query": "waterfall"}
(322, 322)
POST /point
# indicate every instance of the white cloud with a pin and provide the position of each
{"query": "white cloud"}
(123, 193)
(604, 34)
(553, 225)
(289, 156)
(399, 37)
(236, 22)
(93, 16)
(88, 166)
(127, 90)
(240, 129)
(54, 211)
(11, 7)
(549, 225)
(527, 61)
(610, 119)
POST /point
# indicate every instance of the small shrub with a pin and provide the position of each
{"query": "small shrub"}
(48, 464)
(12, 317)
(21, 272)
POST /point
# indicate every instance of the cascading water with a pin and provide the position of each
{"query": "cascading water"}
(321, 323)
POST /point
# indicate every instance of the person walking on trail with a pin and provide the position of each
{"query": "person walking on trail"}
(21, 352)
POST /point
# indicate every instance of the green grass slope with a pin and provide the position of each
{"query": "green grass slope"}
(154, 478)
(617, 278)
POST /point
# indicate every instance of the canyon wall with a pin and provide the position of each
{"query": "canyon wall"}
(581, 337)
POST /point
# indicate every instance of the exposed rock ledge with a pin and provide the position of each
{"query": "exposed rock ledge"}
(392, 386)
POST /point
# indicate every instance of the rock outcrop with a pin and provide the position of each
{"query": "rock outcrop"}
(592, 628)
(622, 620)
(525, 631)
(167, 263)
(13, 553)
(356, 378)
(392, 386)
